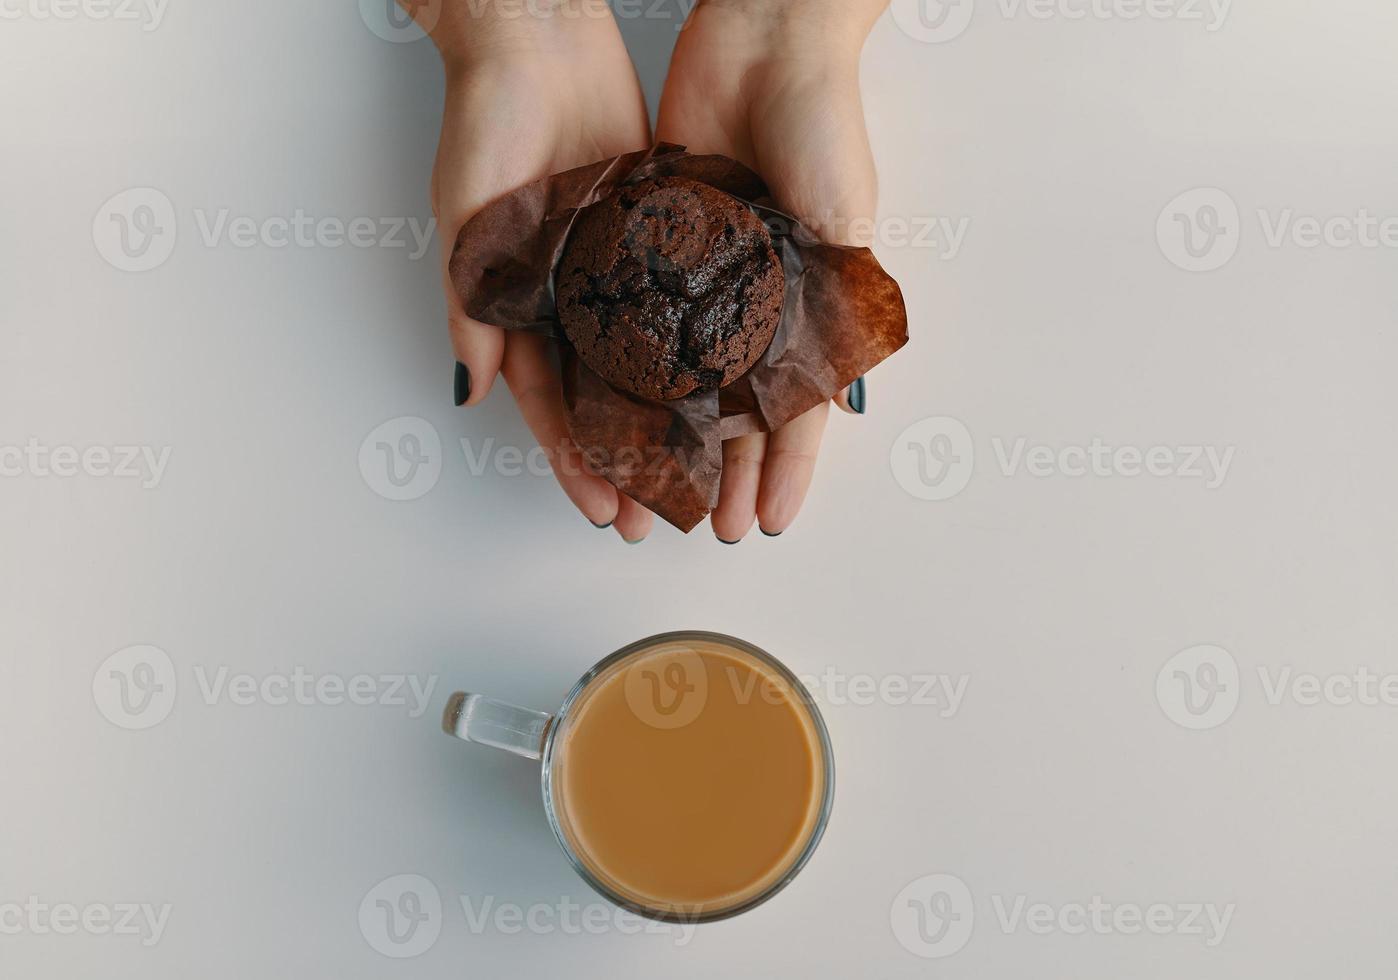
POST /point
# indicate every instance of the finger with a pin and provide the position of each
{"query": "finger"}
(738, 486)
(854, 398)
(633, 522)
(479, 349)
(788, 468)
(533, 381)
(468, 173)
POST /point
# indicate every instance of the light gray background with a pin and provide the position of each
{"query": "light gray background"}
(1061, 320)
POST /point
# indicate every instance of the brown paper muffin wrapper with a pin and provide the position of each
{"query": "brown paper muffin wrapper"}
(841, 316)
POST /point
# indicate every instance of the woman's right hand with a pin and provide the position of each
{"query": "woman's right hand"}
(528, 96)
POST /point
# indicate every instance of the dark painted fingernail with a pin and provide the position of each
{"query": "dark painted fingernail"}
(600, 527)
(462, 385)
(856, 395)
(728, 542)
(770, 534)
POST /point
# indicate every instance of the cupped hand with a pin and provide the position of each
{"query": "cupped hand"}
(526, 98)
(775, 85)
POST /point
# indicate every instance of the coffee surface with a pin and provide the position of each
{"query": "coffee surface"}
(689, 777)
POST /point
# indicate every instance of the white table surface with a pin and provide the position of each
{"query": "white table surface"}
(1062, 778)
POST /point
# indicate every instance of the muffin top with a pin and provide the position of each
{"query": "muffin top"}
(669, 287)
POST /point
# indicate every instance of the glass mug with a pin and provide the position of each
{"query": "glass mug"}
(688, 777)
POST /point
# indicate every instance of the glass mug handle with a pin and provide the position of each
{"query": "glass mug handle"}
(474, 718)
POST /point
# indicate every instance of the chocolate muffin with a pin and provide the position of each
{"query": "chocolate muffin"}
(669, 287)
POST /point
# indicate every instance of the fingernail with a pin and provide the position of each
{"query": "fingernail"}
(462, 384)
(770, 534)
(856, 395)
(728, 542)
(629, 541)
(600, 527)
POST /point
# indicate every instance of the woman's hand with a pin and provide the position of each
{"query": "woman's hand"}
(547, 89)
(775, 84)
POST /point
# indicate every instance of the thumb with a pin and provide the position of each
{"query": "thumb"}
(853, 399)
(479, 347)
